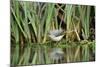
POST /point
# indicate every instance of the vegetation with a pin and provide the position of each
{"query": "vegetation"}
(30, 24)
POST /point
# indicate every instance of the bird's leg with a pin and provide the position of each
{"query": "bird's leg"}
(57, 43)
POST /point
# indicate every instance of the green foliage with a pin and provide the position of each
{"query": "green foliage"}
(30, 23)
(85, 19)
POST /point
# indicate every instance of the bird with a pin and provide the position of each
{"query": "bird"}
(56, 35)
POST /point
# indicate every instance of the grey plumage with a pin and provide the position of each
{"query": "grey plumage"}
(56, 35)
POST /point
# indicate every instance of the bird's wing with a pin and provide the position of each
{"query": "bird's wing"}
(56, 32)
